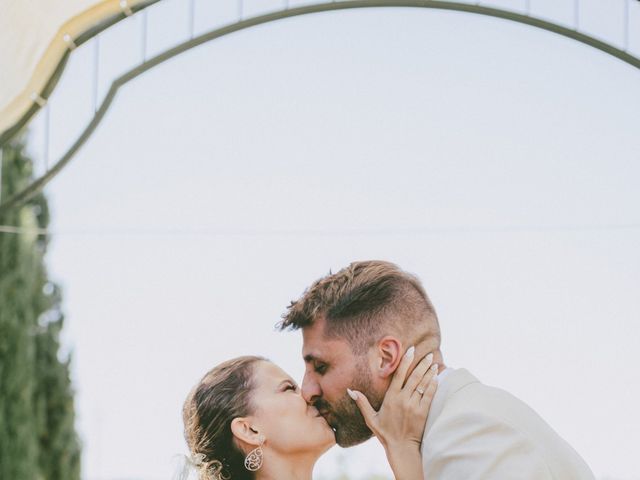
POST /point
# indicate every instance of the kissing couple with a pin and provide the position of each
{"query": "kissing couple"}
(374, 366)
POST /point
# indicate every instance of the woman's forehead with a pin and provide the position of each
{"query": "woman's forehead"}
(269, 372)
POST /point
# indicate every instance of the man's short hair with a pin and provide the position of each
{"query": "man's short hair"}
(363, 302)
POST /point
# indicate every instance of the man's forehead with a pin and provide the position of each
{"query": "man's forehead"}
(316, 349)
(323, 354)
(317, 346)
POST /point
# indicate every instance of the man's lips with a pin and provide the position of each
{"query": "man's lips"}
(325, 412)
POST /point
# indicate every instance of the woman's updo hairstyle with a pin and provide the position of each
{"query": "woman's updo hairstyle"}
(223, 394)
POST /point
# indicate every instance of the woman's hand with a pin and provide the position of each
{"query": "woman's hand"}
(400, 422)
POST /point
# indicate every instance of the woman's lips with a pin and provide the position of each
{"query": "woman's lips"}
(318, 413)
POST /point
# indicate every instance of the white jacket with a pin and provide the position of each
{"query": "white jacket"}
(476, 432)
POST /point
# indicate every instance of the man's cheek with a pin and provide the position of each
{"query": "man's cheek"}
(333, 389)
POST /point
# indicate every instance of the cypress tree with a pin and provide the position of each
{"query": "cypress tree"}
(59, 449)
(37, 435)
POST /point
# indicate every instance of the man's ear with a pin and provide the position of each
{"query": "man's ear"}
(389, 356)
(246, 432)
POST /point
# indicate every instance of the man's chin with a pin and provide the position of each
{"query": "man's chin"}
(346, 438)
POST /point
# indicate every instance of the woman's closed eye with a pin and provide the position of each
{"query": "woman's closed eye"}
(290, 386)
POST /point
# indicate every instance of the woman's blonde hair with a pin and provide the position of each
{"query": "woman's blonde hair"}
(223, 394)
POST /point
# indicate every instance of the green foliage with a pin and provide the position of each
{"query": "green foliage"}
(37, 434)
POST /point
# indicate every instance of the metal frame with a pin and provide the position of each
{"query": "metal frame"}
(40, 182)
(12, 132)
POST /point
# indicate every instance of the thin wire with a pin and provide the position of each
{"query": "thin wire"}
(192, 17)
(96, 71)
(23, 230)
(370, 232)
(625, 40)
(47, 131)
(143, 39)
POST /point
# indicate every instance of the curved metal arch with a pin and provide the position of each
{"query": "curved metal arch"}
(40, 182)
(10, 133)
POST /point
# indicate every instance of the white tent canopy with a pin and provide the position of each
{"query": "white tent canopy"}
(35, 35)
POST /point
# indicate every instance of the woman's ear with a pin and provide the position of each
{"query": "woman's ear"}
(389, 356)
(246, 432)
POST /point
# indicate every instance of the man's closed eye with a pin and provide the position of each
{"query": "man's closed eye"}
(320, 368)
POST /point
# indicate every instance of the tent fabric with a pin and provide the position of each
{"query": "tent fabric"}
(34, 37)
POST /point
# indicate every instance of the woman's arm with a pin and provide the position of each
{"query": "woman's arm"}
(400, 422)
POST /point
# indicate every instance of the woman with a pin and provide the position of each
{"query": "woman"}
(246, 420)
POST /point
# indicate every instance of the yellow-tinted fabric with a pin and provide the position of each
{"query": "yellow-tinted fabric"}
(32, 44)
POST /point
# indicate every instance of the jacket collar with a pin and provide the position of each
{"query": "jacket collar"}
(453, 382)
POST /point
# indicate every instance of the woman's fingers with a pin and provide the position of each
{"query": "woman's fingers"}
(418, 374)
(430, 391)
(404, 411)
(365, 407)
(429, 377)
(401, 373)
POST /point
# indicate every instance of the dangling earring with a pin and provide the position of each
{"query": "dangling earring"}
(253, 461)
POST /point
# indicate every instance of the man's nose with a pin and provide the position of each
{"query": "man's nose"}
(310, 388)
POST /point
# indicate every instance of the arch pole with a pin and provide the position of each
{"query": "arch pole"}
(40, 182)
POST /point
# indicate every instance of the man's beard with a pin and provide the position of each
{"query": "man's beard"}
(345, 417)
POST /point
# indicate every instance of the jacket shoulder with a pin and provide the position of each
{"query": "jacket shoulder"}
(483, 428)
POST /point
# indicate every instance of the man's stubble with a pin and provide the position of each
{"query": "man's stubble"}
(350, 426)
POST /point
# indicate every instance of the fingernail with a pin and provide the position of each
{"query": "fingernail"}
(410, 352)
(352, 394)
(430, 358)
(434, 367)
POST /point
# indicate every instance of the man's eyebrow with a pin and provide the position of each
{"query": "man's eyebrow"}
(309, 358)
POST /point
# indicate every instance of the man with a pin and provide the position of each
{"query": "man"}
(356, 326)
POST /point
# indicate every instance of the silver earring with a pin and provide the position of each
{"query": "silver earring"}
(253, 461)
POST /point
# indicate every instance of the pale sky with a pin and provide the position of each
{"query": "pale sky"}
(496, 161)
